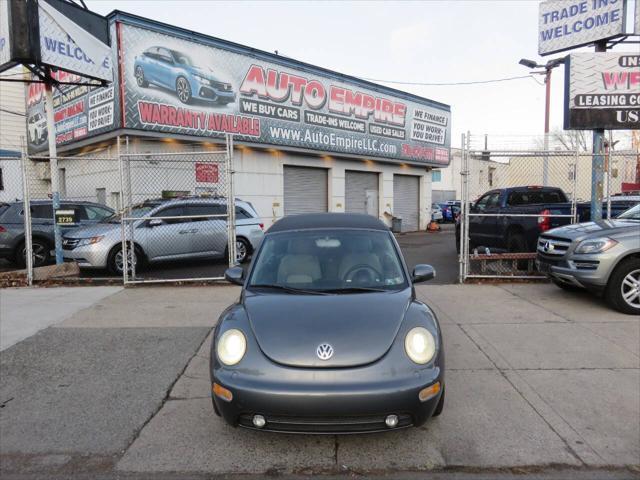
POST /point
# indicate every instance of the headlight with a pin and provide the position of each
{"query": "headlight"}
(202, 80)
(595, 245)
(90, 241)
(420, 345)
(231, 347)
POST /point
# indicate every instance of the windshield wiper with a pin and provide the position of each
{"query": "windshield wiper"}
(289, 289)
(355, 290)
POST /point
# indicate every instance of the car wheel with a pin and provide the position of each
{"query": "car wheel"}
(183, 90)
(142, 82)
(440, 405)
(115, 262)
(516, 243)
(623, 289)
(41, 253)
(243, 250)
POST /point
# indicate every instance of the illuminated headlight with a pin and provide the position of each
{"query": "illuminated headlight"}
(595, 245)
(420, 345)
(202, 80)
(231, 347)
(89, 241)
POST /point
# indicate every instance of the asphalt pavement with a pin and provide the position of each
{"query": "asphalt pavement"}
(120, 389)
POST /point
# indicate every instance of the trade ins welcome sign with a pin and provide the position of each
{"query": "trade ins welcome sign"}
(176, 85)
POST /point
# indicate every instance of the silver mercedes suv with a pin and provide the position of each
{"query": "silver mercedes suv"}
(603, 257)
(166, 230)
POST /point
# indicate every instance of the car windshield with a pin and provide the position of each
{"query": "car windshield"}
(337, 261)
(182, 58)
(632, 214)
(137, 211)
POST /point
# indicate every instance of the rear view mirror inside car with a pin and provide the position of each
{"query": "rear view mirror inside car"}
(327, 242)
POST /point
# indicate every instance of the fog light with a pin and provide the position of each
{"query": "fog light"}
(259, 421)
(429, 392)
(391, 421)
(222, 392)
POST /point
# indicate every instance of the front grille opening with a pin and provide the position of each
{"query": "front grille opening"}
(353, 424)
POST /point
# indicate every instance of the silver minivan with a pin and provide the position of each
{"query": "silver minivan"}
(167, 230)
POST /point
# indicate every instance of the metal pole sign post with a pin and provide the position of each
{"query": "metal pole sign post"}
(53, 166)
(597, 162)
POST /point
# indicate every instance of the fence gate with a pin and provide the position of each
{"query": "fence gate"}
(178, 219)
(498, 240)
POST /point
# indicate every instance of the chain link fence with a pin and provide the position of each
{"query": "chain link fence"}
(514, 189)
(139, 217)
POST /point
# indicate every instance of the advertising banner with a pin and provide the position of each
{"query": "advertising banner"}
(80, 111)
(603, 91)
(636, 24)
(176, 85)
(5, 38)
(565, 24)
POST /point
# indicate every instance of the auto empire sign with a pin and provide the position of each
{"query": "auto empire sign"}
(566, 24)
(176, 85)
(603, 91)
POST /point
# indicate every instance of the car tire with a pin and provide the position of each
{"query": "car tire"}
(516, 243)
(440, 406)
(183, 90)
(140, 78)
(115, 259)
(624, 279)
(41, 253)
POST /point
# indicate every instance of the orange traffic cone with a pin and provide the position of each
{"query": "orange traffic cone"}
(433, 226)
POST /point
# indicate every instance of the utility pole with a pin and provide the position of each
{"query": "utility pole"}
(53, 165)
(597, 161)
(547, 105)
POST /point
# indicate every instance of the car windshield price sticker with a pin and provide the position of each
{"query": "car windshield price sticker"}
(65, 217)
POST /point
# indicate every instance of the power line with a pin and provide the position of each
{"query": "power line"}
(12, 112)
(444, 84)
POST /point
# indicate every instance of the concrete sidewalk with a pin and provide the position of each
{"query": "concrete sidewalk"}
(536, 378)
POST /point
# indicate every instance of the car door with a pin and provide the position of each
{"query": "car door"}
(479, 226)
(165, 238)
(165, 75)
(210, 239)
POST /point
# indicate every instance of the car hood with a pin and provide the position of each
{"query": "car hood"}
(204, 72)
(94, 230)
(594, 229)
(360, 327)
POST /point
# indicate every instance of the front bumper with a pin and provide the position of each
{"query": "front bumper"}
(212, 94)
(88, 256)
(326, 401)
(584, 271)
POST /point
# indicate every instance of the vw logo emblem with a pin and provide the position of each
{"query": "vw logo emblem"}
(547, 247)
(324, 351)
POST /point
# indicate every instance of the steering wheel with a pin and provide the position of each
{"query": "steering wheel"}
(362, 273)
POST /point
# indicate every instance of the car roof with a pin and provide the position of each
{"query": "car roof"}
(310, 221)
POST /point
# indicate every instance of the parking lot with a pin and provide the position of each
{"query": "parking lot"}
(539, 381)
(436, 248)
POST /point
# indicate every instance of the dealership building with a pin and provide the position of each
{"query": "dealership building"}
(306, 139)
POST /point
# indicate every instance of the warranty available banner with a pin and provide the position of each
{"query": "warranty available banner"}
(179, 86)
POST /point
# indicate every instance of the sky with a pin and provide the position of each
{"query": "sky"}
(429, 41)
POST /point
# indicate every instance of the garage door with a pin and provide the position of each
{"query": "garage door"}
(406, 201)
(361, 192)
(305, 190)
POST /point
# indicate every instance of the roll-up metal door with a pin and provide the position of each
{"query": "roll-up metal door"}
(406, 201)
(361, 192)
(305, 190)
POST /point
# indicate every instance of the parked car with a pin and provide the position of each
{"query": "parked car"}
(37, 128)
(520, 233)
(328, 335)
(158, 238)
(12, 245)
(447, 212)
(603, 257)
(436, 212)
(177, 72)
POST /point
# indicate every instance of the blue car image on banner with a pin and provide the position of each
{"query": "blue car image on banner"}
(175, 71)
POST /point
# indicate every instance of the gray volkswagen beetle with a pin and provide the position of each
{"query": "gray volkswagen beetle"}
(328, 335)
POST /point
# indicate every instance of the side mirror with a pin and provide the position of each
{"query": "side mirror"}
(234, 275)
(422, 273)
(155, 222)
